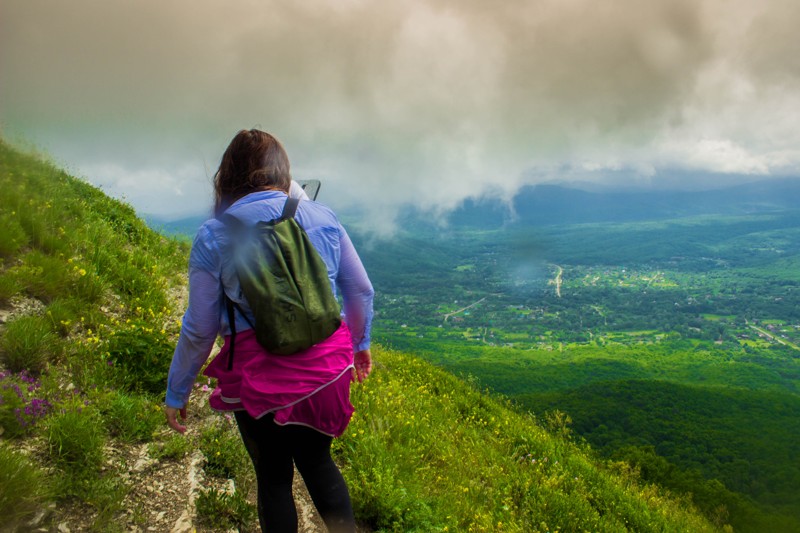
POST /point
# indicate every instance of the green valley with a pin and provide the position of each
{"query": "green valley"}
(669, 342)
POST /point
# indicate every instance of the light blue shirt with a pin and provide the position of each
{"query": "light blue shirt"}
(210, 273)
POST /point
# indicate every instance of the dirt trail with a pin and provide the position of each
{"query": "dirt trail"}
(557, 280)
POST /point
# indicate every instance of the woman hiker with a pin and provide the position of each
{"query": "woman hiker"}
(288, 408)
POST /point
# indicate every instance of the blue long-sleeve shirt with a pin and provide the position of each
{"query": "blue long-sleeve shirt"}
(210, 273)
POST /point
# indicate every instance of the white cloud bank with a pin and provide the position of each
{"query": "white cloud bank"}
(399, 101)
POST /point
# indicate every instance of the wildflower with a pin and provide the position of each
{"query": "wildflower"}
(82, 271)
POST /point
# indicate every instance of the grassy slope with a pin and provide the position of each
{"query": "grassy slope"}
(713, 413)
(425, 451)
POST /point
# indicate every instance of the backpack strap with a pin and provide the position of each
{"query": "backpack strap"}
(289, 208)
(230, 305)
(232, 323)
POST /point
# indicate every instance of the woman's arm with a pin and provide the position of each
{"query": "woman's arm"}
(199, 330)
(357, 293)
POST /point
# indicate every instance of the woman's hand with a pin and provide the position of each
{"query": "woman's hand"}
(363, 364)
(172, 418)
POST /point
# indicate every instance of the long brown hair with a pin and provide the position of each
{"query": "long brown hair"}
(253, 161)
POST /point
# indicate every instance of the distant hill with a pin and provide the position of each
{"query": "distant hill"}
(553, 204)
(544, 205)
(181, 227)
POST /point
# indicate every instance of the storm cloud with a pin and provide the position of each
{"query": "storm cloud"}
(395, 102)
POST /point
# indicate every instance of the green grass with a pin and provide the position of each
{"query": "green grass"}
(132, 418)
(222, 511)
(224, 451)
(23, 487)
(28, 344)
(174, 447)
(75, 437)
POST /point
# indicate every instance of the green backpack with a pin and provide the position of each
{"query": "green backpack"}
(285, 283)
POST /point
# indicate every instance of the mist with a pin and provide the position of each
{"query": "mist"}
(403, 102)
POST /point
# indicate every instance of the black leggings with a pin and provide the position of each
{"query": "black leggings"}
(275, 450)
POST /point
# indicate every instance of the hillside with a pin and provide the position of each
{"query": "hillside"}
(90, 302)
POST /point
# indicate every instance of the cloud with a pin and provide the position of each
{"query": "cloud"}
(418, 101)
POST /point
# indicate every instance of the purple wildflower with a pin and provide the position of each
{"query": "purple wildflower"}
(17, 391)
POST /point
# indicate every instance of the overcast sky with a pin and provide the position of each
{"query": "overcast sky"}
(393, 101)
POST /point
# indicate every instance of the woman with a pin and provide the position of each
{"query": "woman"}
(288, 408)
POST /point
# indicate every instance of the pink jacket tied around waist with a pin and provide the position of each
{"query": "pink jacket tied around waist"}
(310, 388)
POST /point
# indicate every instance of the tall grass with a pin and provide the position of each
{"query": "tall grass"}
(28, 344)
(23, 488)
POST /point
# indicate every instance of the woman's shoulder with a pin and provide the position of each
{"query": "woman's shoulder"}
(206, 245)
(208, 230)
(312, 214)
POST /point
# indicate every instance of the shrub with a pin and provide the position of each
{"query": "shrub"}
(22, 488)
(89, 286)
(13, 236)
(222, 511)
(107, 495)
(43, 276)
(21, 405)
(224, 451)
(88, 368)
(63, 315)
(75, 438)
(28, 344)
(39, 222)
(8, 287)
(141, 355)
(132, 418)
(175, 447)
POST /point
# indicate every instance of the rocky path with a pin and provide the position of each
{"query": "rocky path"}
(162, 494)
